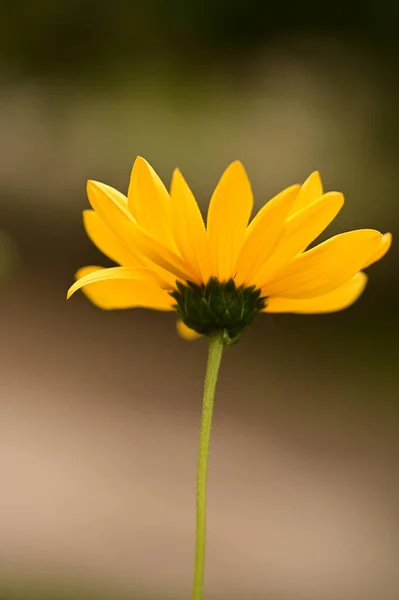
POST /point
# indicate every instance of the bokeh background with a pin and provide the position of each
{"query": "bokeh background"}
(100, 411)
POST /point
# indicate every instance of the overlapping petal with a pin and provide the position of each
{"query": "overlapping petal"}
(325, 267)
(385, 244)
(302, 228)
(338, 299)
(149, 202)
(160, 239)
(228, 215)
(112, 208)
(263, 234)
(121, 287)
(107, 242)
(310, 190)
(188, 227)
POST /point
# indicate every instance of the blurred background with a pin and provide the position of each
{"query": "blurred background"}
(100, 411)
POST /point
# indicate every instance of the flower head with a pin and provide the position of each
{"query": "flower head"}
(218, 277)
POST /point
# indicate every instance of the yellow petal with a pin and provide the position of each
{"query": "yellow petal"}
(108, 205)
(334, 301)
(117, 198)
(188, 227)
(185, 332)
(120, 287)
(300, 230)
(383, 248)
(228, 215)
(263, 233)
(106, 241)
(310, 190)
(325, 267)
(111, 206)
(149, 201)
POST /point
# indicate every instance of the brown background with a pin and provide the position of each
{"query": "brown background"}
(100, 411)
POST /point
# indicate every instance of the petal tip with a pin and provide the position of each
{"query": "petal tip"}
(92, 186)
(237, 165)
(387, 238)
(70, 292)
(338, 196)
(313, 184)
(186, 333)
(236, 173)
(177, 174)
(315, 175)
(361, 278)
(141, 164)
(176, 181)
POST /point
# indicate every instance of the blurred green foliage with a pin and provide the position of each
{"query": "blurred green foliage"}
(89, 37)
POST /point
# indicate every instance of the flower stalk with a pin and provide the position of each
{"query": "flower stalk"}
(214, 359)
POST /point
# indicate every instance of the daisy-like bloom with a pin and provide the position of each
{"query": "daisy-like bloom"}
(218, 277)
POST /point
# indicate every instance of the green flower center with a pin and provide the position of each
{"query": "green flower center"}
(218, 306)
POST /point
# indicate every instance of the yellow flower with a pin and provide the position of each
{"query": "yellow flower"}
(220, 276)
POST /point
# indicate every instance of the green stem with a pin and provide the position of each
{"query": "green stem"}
(212, 371)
